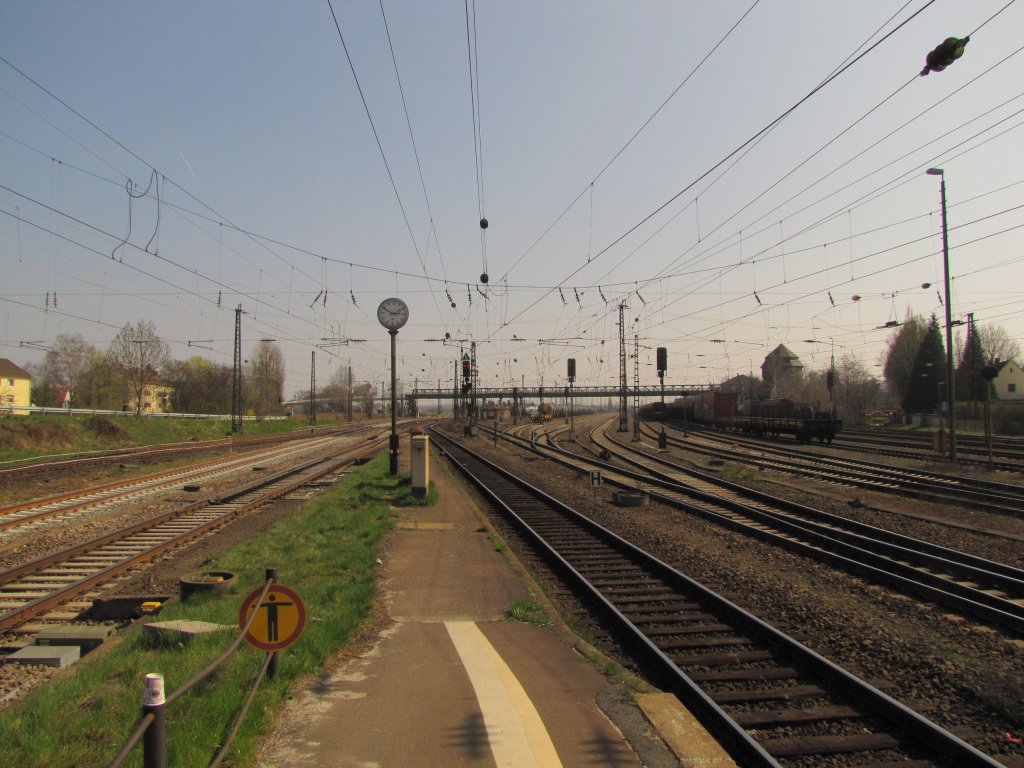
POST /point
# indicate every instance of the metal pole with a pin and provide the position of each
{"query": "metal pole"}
(988, 420)
(394, 413)
(154, 740)
(572, 414)
(950, 382)
(274, 668)
(951, 387)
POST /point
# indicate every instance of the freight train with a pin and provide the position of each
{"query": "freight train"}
(544, 412)
(763, 418)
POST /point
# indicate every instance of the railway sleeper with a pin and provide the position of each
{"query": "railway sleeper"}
(822, 745)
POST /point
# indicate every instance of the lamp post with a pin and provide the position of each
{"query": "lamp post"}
(950, 383)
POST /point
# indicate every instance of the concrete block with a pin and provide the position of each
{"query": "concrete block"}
(86, 637)
(183, 630)
(58, 656)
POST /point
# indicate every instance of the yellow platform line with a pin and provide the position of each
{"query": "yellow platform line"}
(517, 736)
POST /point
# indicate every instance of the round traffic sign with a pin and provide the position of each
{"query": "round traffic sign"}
(280, 617)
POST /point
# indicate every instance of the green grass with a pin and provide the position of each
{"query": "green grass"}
(733, 471)
(528, 611)
(326, 552)
(25, 437)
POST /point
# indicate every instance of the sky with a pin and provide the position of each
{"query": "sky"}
(737, 174)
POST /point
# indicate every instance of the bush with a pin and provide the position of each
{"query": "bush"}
(102, 426)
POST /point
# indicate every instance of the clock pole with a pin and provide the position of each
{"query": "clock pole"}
(393, 442)
(393, 314)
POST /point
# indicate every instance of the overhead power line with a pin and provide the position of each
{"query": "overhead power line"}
(725, 159)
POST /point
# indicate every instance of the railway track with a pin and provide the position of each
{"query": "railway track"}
(1006, 447)
(919, 449)
(989, 591)
(1001, 498)
(31, 589)
(37, 510)
(770, 700)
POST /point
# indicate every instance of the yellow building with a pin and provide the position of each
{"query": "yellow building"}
(15, 388)
(156, 398)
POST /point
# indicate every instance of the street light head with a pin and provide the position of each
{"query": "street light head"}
(934, 171)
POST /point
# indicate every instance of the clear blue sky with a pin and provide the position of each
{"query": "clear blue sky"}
(266, 186)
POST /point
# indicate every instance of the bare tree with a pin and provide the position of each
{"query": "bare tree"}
(140, 354)
(266, 374)
(857, 390)
(998, 343)
(67, 360)
(365, 393)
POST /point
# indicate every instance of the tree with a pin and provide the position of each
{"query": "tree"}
(365, 393)
(857, 390)
(140, 354)
(100, 384)
(970, 385)
(266, 377)
(998, 343)
(928, 371)
(901, 353)
(66, 361)
(199, 386)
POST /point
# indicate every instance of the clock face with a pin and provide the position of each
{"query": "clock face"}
(393, 314)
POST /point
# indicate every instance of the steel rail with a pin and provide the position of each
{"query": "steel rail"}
(232, 504)
(11, 517)
(837, 444)
(827, 543)
(740, 742)
(1000, 498)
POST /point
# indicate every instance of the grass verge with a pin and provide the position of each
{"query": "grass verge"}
(25, 437)
(326, 552)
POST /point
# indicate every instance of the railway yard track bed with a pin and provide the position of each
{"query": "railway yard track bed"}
(968, 677)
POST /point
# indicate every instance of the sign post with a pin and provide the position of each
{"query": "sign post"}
(595, 480)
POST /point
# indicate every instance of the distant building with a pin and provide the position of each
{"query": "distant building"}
(493, 411)
(782, 371)
(15, 388)
(743, 385)
(1009, 381)
(156, 398)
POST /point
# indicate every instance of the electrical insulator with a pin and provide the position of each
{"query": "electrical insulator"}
(944, 54)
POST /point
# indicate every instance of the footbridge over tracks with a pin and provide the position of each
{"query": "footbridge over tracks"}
(517, 397)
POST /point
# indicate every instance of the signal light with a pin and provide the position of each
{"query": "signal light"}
(944, 54)
(662, 356)
(571, 363)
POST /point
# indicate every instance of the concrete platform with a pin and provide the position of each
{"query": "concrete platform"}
(448, 680)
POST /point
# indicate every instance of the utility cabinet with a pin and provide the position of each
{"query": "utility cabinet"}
(419, 456)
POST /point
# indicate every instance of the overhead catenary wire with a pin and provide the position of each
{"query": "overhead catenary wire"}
(473, 53)
(831, 78)
(631, 139)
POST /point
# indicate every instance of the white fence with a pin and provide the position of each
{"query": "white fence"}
(29, 409)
